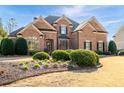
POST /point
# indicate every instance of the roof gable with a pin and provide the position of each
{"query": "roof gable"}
(63, 17)
(30, 26)
(52, 19)
(42, 24)
(94, 23)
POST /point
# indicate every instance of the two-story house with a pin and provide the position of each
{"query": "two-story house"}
(54, 32)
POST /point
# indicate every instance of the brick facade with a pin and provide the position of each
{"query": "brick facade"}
(48, 34)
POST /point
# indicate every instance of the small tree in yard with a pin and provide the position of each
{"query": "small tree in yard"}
(21, 47)
(112, 47)
(7, 47)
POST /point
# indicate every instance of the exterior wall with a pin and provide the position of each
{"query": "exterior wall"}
(51, 35)
(87, 34)
(31, 32)
(69, 29)
(102, 37)
(96, 25)
(119, 39)
(74, 40)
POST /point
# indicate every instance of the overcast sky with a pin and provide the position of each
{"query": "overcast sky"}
(111, 17)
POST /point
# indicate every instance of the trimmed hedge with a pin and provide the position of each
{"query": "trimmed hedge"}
(84, 57)
(41, 56)
(69, 50)
(21, 47)
(60, 55)
(1, 45)
(7, 47)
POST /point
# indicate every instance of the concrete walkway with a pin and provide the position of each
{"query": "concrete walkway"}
(15, 59)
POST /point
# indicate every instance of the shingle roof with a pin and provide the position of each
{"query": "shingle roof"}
(13, 34)
(93, 21)
(52, 19)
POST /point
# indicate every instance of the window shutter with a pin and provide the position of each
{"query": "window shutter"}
(60, 29)
(84, 45)
(66, 30)
(97, 46)
(103, 46)
(90, 45)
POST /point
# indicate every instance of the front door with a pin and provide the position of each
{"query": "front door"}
(49, 45)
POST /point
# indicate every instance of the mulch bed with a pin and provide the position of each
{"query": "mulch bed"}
(10, 72)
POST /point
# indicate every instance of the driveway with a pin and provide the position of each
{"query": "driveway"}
(15, 59)
(110, 75)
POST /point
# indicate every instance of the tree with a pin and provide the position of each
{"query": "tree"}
(3, 33)
(7, 47)
(21, 47)
(11, 24)
(112, 47)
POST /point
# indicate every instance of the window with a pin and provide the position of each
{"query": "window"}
(33, 43)
(63, 44)
(87, 45)
(100, 46)
(63, 30)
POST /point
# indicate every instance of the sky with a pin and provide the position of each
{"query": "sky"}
(110, 16)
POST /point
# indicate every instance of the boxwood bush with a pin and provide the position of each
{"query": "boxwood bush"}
(69, 50)
(7, 47)
(41, 56)
(21, 47)
(60, 55)
(84, 57)
(32, 52)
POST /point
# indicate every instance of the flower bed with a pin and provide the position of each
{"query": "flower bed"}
(43, 64)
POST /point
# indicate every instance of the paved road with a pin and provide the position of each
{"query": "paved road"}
(15, 59)
(110, 75)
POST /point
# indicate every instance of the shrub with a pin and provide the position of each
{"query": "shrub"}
(32, 52)
(21, 63)
(1, 45)
(112, 47)
(107, 53)
(69, 50)
(46, 65)
(36, 66)
(65, 64)
(84, 57)
(99, 52)
(121, 52)
(40, 62)
(60, 55)
(41, 56)
(7, 47)
(24, 67)
(97, 58)
(21, 47)
(55, 65)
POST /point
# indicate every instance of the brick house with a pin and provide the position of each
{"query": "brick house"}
(55, 32)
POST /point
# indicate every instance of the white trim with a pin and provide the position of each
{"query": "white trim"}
(41, 18)
(100, 41)
(29, 26)
(87, 40)
(83, 24)
(63, 17)
(94, 19)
